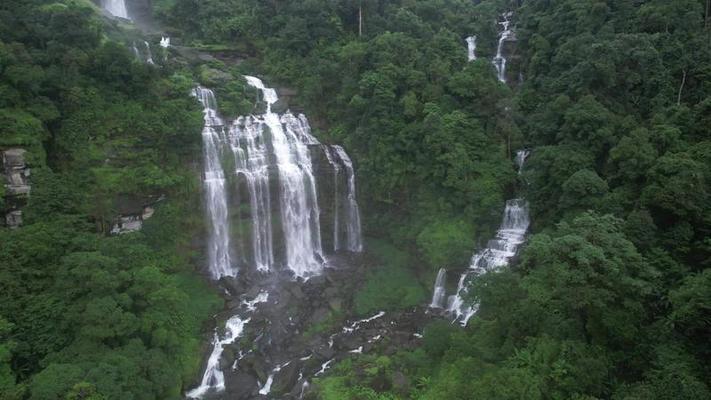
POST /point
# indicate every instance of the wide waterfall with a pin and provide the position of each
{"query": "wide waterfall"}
(439, 292)
(266, 160)
(117, 8)
(259, 169)
(505, 34)
(471, 48)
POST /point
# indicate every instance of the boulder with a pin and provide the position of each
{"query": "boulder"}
(241, 386)
(286, 378)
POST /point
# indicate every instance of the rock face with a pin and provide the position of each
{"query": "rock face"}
(16, 176)
(132, 211)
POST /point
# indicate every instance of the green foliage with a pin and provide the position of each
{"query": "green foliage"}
(446, 243)
(388, 288)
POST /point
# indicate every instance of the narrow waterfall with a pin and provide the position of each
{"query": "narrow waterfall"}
(499, 251)
(471, 48)
(521, 157)
(505, 34)
(438, 293)
(336, 197)
(149, 54)
(214, 378)
(213, 137)
(164, 42)
(354, 241)
(117, 8)
(299, 205)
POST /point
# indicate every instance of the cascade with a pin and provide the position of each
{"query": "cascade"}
(164, 42)
(354, 241)
(213, 138)
(271, 159)
(214, 378)
(117, 8)
(520, 159)
(149, 55)
(438, 294)
(471, 48)
(498, 253)
(505, 34)
(299, 204)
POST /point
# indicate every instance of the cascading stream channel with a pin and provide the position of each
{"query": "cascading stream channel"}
(506, 33)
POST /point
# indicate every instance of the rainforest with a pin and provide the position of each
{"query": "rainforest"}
(355, 199)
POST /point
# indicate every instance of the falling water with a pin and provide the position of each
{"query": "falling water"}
(149, 54)
(213, 136)
(521, 157)
(214, 378)
(471, 48)
(117, 8)
(354, 241)
(164, 42)
(252, 163)
(499, 251)
(506, 34)
(336, 198)
(299, 204)
(438, 294)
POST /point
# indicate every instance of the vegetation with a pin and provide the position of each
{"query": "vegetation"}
(610, 297)
(84, 315)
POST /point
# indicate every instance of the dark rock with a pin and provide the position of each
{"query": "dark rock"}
(285, 379)
(241, 386)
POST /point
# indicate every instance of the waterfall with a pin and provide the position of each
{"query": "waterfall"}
(521, 157)
(471, 48)
(506, 34)
(252, 163)
(214, 378)
(272, 168)
(497, 254)
(289, 137)
(438, 294)
(117, 8)
(164, 42)
(149, 55)
(354, 241)
(213, 137)
(336, 196)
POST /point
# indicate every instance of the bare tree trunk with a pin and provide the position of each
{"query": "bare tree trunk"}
(681, 88)
(360, 19)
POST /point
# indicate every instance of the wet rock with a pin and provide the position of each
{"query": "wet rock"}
(254, 365)
(325, 352)
(227, 358)
(285, 379)
(241, 386)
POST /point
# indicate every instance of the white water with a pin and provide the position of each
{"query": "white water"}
(500, 250)
(438, 293)
(521, 157)
(214, 378)
(505, 34)
(299, 204)
(471, 48)
(149, 54)
(164, 42)
(336, 198)
(117, 8)
(354, 241)
(213, 137)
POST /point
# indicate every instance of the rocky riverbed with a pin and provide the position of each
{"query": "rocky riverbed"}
(296, 330)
